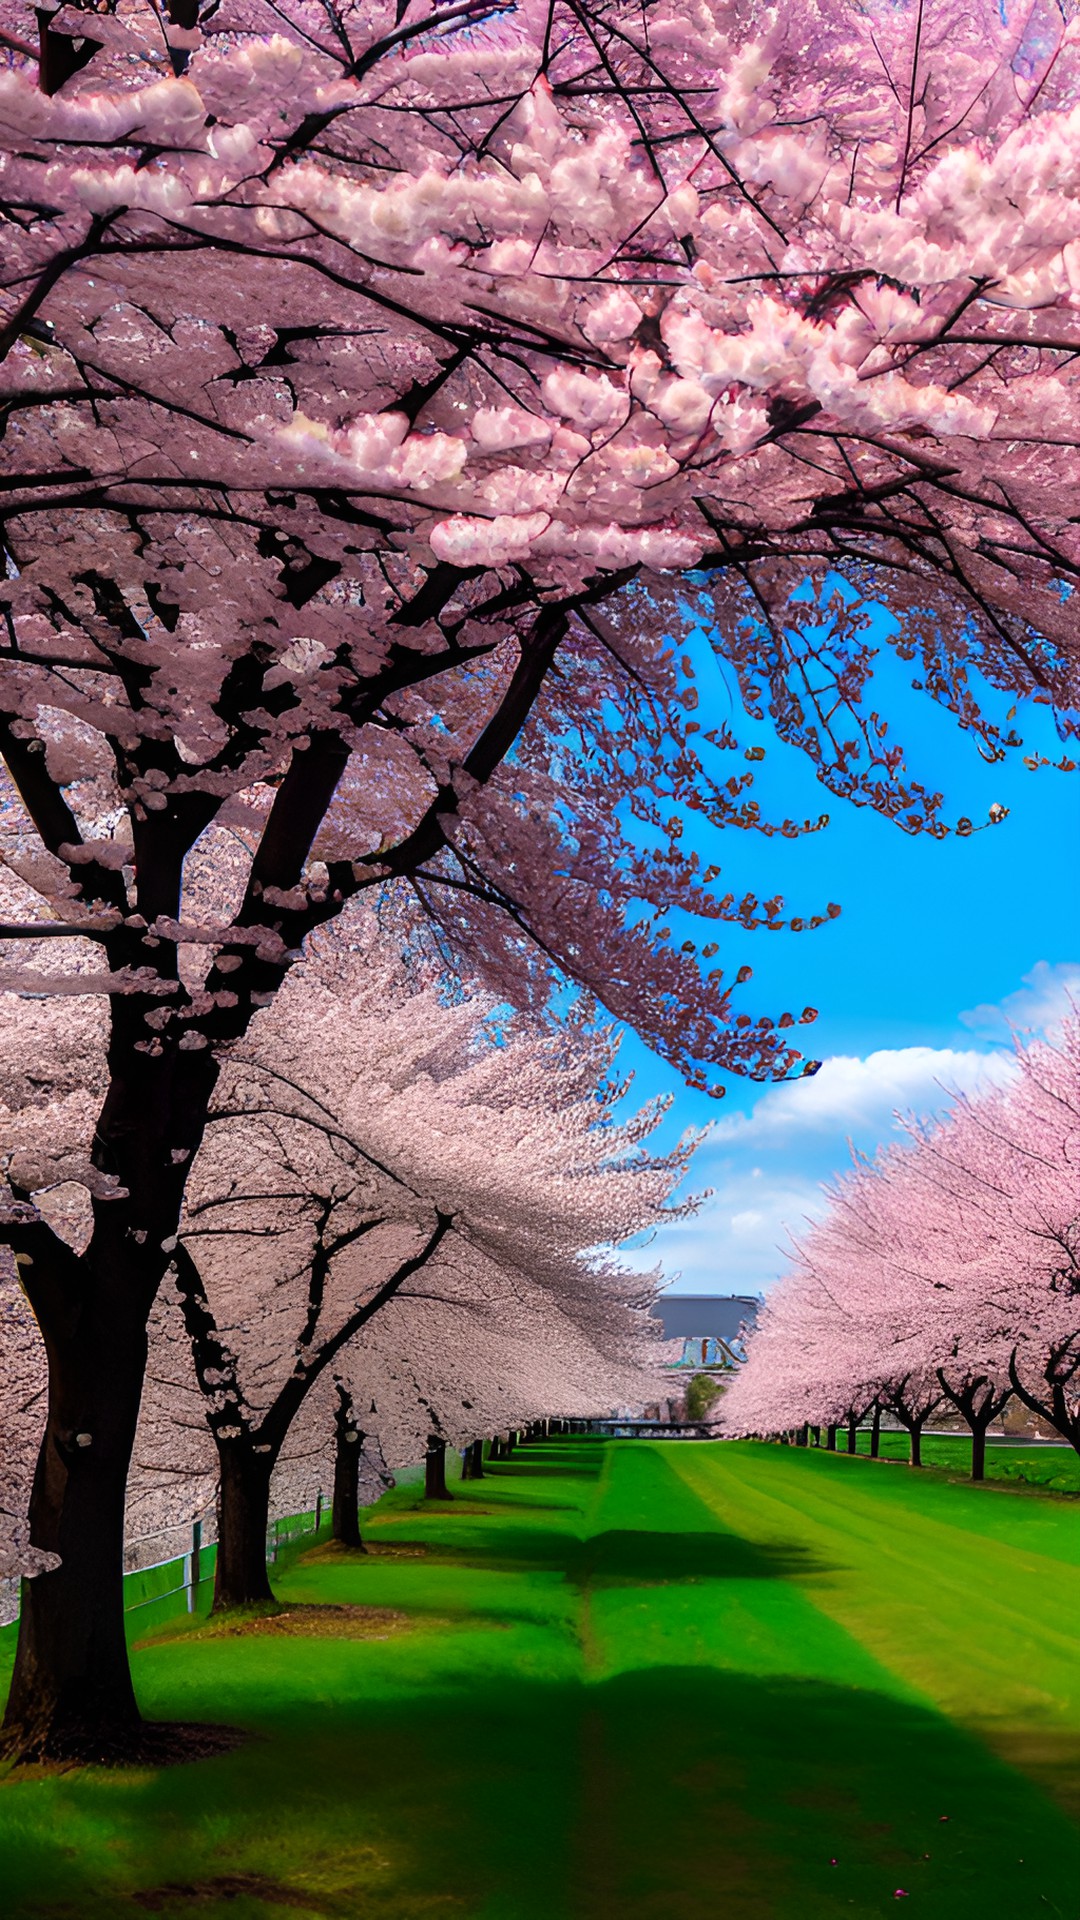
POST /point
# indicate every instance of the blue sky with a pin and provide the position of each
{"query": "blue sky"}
(941, 944)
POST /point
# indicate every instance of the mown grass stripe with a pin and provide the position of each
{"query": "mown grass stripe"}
(987, 1631)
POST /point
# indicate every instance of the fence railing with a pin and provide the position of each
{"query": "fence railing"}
(183, 1554)
(647, 1429)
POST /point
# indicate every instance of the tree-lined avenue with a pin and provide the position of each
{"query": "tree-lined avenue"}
(807, 1682)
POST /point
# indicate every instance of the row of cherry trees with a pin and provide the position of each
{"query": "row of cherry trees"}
(392, 1234)
(379, 386)
(944, 1274)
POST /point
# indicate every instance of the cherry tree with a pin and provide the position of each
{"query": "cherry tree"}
(1007, 1161)
(971, 1232)
(545, 296)
(909, 1241)
(929, 1245)
(766, 288)
(408, 1176)
(187, 651)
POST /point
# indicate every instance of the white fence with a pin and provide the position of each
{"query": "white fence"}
(184, 1547)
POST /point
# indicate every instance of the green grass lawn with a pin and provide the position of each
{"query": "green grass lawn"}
(1050, 1467)
(632, 1680)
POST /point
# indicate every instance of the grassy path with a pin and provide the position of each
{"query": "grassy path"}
(629, 1682)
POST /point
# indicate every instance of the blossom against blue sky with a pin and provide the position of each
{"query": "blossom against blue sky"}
(943, 949)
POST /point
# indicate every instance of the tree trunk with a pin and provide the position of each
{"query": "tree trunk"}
(1053, 1405)
(979, 1400)
(830, 1439)
(815, 1435)
(853, 1436)
(435, 1487)
(472, 1466)
(803, 1437)
(348, 1447)
(71, 1692)
(241, 1578)
(915, 1452)
(875, 1435)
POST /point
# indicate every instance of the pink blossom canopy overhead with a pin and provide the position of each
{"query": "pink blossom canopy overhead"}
(350, 355)
(565, 289)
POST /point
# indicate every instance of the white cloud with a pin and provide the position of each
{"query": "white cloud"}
(767, 1167)
(728, 1247)
(1049, 992)
(849, 1094)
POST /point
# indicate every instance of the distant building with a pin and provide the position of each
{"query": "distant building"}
(710, 1326)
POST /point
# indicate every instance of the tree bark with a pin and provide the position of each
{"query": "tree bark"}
(348, 1448)
(830, 1439)
(241, 1577)
(472, 1466)
(979, 1400)
(803, 1437)
(915, 1444)
(815, 1435)
(435, 1487)
(875, 1435)
(853, 1436)
(71, 1694)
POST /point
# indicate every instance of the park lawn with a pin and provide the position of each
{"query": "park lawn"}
(631, 1680)
(1052, 1468)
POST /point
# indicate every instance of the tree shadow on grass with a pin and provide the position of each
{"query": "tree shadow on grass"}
(653, 1795)
(541, 1470)
(623, 1557)
(627, 1557)
(565, 1458)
